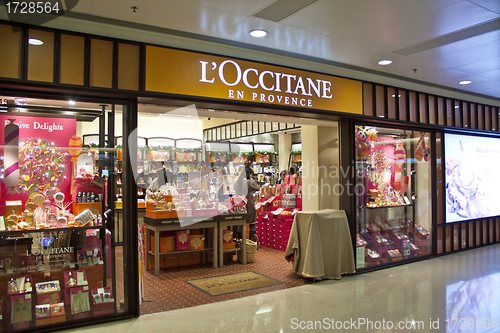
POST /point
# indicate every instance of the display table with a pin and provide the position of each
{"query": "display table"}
(158, 225)
(320, 244)
(227, 221)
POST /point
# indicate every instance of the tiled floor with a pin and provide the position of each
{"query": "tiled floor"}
(463, 285)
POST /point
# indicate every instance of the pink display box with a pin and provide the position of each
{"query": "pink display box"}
(82, 315)
(74, 274)
(48, 298)
(20, 326)
(101, 302)
(78, 290)
(182, 247)
(103, 312)
(182, 237)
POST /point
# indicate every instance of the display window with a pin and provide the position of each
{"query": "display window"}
(57, 259)
(394, 195)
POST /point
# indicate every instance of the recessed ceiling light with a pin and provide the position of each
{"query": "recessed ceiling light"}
(465, 82)
(258, 33)
(34, 41)
(385, 62)
(456, 106)
(189, 116)
(381, 116)
(395, 95)
(72, 102)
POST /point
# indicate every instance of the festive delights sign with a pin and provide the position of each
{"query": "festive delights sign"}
(195, 74)
(472, 177)
(40, 160)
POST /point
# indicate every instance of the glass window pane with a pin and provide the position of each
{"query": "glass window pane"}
(101, 63)
(72, 59)
(128, 66)
(391, 100)
(41, 57)
(442, 118)
(413, 106)
(398, 168)
(402, 104)
(433, 118)
(10, 62)
(368, 99)
(243, 129)
(249, 128)
(380, 98)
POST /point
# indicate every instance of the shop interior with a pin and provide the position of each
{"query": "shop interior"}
(200, 155)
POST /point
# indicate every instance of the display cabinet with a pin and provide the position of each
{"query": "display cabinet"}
(393, 192)
(46, 275)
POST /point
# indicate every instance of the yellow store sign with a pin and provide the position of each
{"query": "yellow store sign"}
(195, 74)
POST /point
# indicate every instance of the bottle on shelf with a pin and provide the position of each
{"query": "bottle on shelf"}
(79, 197)
(84, 197)
(92, 197)
(88, 197)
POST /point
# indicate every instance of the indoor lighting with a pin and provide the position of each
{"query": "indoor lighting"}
(385, 62)
(456, 106)
(381, 116)
(34, 41)
(72, 102)
(465, 82)
(189, 116)
(258, 33)
(395, 95)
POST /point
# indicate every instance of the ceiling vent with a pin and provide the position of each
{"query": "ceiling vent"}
(281, 9)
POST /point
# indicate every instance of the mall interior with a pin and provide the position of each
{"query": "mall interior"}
(263, 166)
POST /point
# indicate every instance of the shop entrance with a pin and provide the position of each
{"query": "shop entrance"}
(199, 155)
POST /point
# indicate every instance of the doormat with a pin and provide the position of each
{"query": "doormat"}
(226, 284)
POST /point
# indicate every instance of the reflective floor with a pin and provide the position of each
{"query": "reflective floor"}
(421, 297)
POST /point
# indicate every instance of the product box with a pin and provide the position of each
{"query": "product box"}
(196, 242)
(167, 244)
(360, 257)
(227, 236)
(79, 303)
(182, 237)
(103, 302)
(228, 246)
(182, 247)
(75, 279)
(48, 292)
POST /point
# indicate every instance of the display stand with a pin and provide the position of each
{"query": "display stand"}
(227, 222)
(158, 225)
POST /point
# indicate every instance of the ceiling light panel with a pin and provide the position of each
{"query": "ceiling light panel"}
(281, 9)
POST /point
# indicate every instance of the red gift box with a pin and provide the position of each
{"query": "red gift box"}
(227, 236)
(182, 247)
(182, 237)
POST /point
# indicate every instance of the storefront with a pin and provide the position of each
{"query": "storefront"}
(374, 151)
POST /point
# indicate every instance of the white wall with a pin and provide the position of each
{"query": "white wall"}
(152, 126)
(309, 135)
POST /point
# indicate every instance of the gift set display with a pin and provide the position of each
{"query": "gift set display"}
(392, 171)
(51, 216)
(185, 199)
(276, 207)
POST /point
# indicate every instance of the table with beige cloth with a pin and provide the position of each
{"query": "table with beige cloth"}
(320, 244)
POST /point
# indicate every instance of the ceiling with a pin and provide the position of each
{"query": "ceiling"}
(437, 42)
